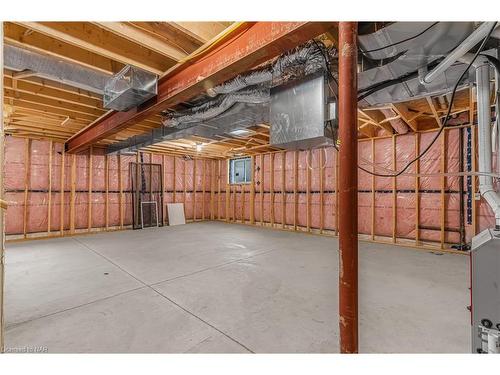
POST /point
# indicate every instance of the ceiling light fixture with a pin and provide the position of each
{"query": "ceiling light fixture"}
(239, 132)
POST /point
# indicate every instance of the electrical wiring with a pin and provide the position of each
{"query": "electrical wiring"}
(444, 124)
(402, 41)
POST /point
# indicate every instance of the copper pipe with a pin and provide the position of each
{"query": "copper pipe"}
(348, 188)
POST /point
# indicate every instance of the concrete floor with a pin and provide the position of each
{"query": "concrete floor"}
(216, 287)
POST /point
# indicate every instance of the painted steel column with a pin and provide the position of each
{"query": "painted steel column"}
(348, 188)
(2, 224)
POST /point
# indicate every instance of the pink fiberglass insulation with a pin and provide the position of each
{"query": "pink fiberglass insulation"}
(98, 173)
(430, 163)
(14, 223)
(168, 171)
(383, 164)
(405, 152)
(179, 177)
(37, 212)
(365, 160)
(364, 213)
(113, 209)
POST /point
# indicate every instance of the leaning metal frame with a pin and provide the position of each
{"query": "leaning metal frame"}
(136, 175)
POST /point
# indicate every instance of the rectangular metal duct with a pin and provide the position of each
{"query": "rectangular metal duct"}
(129, 88)
(298, 114)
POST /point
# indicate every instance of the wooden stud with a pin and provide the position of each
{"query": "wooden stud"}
(194, 189)
(243, 193)
(295, 188)
(72, 195)
(417, 190)
(203, 190)
(271, 196)
(394, 192)
(212, 190)
(218, 189)
(27, 175)
(321, 188)
(235, 191)
(175, 179)
(49, 205)
(185, 187)
(106, 186)
(308, 191)
(61, 208)
(261, 189)
(120, 187)
(283, 190)
(89, 203)
(252, 191)
(163, 209)
(373, 191)
(228, 197)
(443, 188)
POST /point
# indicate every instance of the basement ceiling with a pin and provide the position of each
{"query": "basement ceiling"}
(44, 108)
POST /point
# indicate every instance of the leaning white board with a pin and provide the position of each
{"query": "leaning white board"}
(176, 214)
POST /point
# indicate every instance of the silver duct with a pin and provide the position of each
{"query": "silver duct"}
(410, 56)
(19, 59)
(310, 57)
(211, 110)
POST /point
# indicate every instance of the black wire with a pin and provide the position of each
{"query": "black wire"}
(402, 41)
(444, 124)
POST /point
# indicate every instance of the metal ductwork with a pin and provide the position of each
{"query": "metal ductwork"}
(426, 43)
(19, 59)
(236, 104)
(129, 88)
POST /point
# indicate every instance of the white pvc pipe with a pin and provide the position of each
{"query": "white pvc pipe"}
(484, 134)
(477, 35)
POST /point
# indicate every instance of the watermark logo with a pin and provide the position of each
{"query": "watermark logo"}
(27, 349)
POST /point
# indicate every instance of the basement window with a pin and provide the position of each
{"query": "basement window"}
(240, 171)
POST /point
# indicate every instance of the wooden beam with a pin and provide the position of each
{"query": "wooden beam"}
(91, 38)
(242, 49)
(201, 31)
(405, 115)
(144, 39)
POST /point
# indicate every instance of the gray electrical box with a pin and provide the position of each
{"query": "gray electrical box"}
(485, 289)
(299, 114)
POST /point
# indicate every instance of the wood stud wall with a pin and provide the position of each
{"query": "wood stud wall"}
(234, 193)
(71, 160)
(258, 191)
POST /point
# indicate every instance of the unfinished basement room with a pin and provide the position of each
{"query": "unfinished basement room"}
(250, 187)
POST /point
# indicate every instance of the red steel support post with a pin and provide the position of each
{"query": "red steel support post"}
(348, 188)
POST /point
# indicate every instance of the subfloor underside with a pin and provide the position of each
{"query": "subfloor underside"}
(214, 287)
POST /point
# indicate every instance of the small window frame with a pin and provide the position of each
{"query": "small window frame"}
(247, 164)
